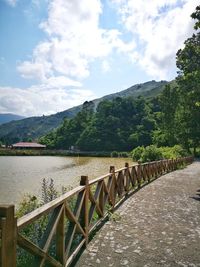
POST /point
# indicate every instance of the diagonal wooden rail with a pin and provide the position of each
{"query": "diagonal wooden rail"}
(69, 219)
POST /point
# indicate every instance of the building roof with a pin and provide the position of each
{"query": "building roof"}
(28, 144)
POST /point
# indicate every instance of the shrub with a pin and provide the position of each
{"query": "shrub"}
(34, 231)
(137, 153)
(114, 154)
(173, 152)
(151, 153)
(124, 154)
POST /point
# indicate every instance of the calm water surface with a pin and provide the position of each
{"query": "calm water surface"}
(22, 175)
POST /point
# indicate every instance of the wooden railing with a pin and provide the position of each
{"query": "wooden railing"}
(69, 219)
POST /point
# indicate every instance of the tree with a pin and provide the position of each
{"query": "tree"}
(188, 110)
(168, 124)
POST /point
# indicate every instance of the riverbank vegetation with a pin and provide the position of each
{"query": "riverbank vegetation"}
(152, 153)
(34, 231)
(52, 152)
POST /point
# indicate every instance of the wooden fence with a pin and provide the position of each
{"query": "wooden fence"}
(69, 219)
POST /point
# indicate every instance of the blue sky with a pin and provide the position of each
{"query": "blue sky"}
(55, 54)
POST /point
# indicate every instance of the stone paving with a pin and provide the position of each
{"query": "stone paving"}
(157, 226)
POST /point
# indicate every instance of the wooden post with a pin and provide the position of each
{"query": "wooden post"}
(112, 189)
(60, 238)
(139, 175)
(127, 177)
(101, 198)
(8, 224)
(156, 169)
(148, 173)
(84, 181)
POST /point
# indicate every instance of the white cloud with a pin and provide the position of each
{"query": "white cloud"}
(11, 2)
(42, 99)
(105, 66)
(161, 27)
(34, 70)
(61, 81)
(74, 40)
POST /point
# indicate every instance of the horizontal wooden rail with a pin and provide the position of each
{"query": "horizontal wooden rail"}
(54, 233)
(32, 216)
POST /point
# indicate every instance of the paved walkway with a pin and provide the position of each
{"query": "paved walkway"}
(157, 226)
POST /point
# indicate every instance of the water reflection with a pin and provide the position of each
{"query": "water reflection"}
(76, 161)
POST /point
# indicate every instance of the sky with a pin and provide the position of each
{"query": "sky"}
(56, 54)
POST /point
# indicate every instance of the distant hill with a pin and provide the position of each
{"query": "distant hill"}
(35, 127)
(7, 117)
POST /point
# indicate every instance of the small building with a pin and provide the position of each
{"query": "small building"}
(28, 145)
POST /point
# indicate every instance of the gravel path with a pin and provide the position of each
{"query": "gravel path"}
(158, 226)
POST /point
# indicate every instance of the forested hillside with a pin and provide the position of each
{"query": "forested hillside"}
(34, 127)
(4, 118)
(118, 124)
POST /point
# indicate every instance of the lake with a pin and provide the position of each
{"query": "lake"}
(24, 175)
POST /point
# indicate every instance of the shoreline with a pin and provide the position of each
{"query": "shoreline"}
(48, 152)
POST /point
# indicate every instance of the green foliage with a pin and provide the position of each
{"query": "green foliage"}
(114, 154)
(173, 152)
(197, 153)
(160, 138)
(188, 110)
(5, 118)
(178, 120)
(48, 191)
(137, 153)
(49, 139)
(124, 154)
(36, 127)
(28, 204)
(119, 124)
(168, 103)
(35, 230)
(152, 153)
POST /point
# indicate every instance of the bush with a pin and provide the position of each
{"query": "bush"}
(35, 230)
(151, 153)
(197, 153)
(173, 152)
(137, 153)
(114, 154)
(124, 154)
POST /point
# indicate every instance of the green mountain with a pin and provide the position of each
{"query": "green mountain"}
(7, 117)
(35, 127)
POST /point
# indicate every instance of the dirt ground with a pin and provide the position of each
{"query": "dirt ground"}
(157, 226)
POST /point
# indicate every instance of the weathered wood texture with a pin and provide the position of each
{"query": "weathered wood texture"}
(73, 216)
(8, 236)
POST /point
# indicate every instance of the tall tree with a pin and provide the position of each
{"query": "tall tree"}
(188, 62)
(168, 124)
